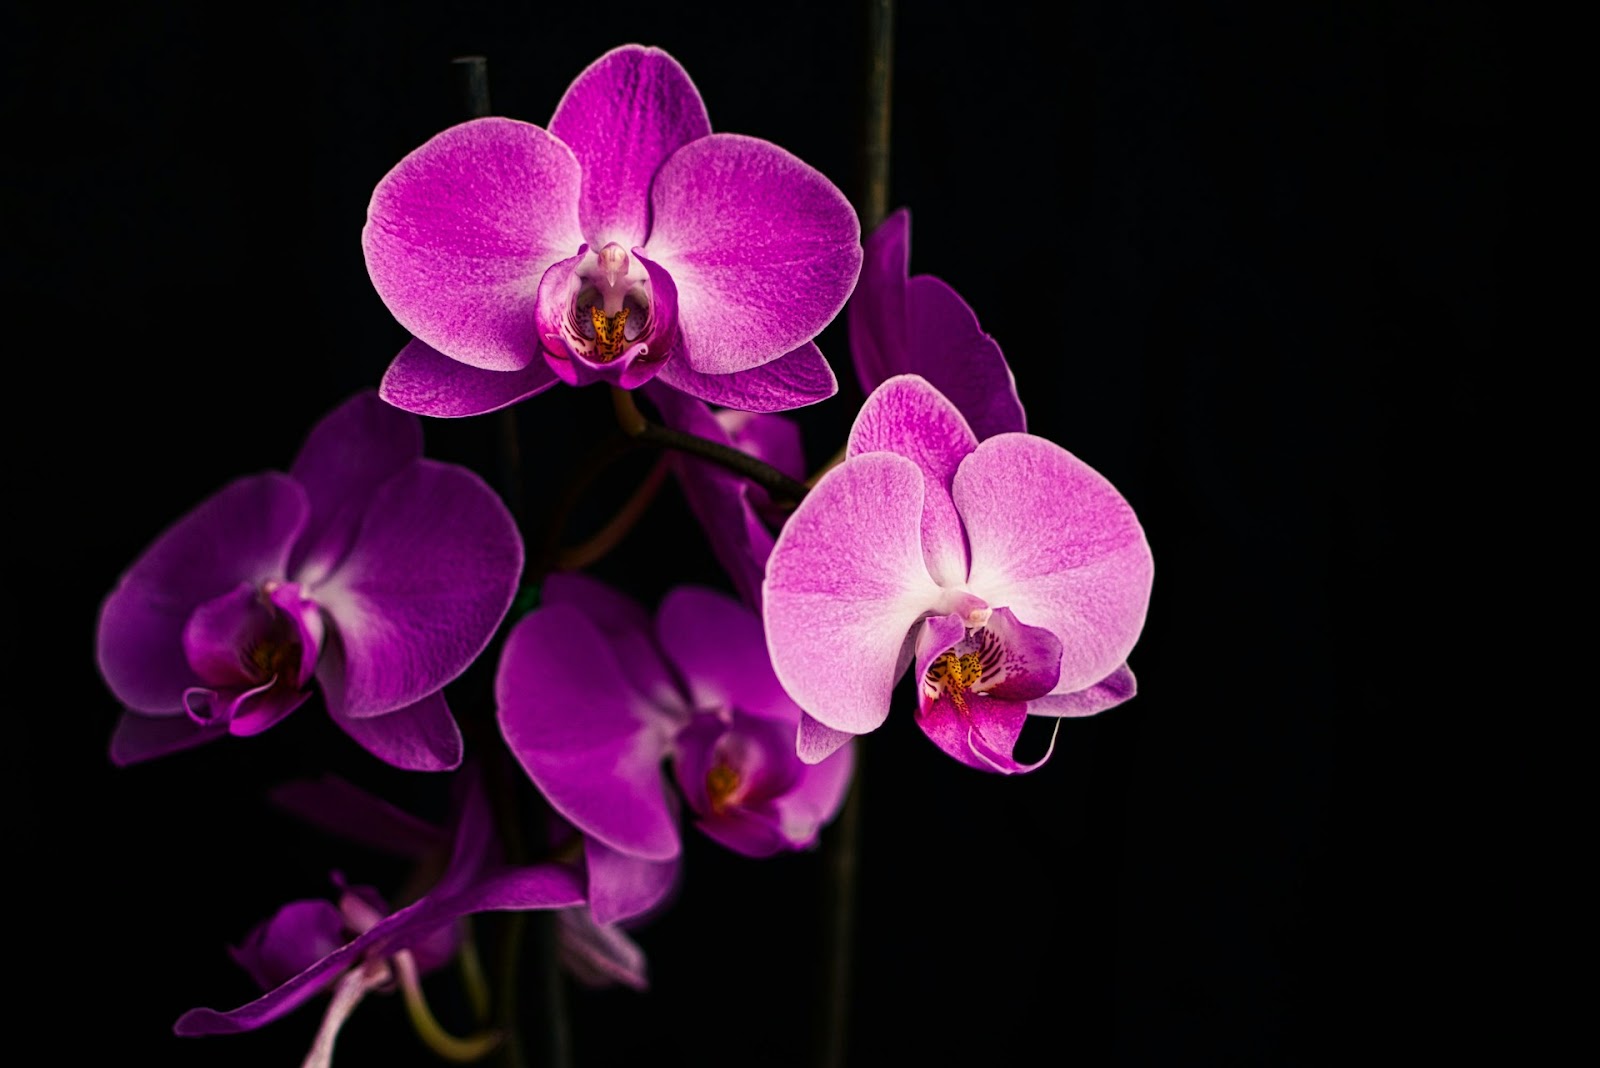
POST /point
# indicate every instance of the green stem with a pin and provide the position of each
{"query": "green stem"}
(782, 488)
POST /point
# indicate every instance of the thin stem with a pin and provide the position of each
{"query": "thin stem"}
(598, 544)
(780, 486)
(842, 847)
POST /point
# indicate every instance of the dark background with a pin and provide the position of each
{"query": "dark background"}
(1244, 259)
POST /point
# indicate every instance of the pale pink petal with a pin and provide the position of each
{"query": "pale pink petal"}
(908, 416)
(1052, 540)
(1109, 692)
(845, 584)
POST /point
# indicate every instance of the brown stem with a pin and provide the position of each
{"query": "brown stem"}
(602, 541)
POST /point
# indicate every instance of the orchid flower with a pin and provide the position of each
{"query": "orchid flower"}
(1014, 575)
(378, 573)
(596, 954)
(623, 243)
(590, 703)
(919, 325)
(358, 946)
(733, 511)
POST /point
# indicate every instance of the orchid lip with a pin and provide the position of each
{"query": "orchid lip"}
(610, 311)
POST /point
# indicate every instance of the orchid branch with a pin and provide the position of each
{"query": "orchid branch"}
(782, 488)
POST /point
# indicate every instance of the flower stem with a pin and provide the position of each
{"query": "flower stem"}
(609, 536)
(780, 486)
(842, 847)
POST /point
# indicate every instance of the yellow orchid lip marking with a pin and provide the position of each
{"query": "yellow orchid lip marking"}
(722, 782)
(961, 674)
(608, 336)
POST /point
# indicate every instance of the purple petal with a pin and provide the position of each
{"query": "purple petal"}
(543, 886)
(598, 955)
(139, 737)
(345, 458)
(844, 586)
(295, 937)
(764, 249)
(1109, 692)
(421, 592)
(421, 736)
(1052, 540)
(243, 533)
(425, 381)
(816, 798)
(622, 887)
(907, 416)
(720, 651)
(622, 117)
(772, 439)
(628, 630)
(590, 743)
(793, 380)
(876, 314)
(460, 231)
(341, 808)
(720, 500)
(950, 350)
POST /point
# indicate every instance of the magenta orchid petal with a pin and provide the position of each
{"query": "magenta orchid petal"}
(421, 736)
(292, 940)
(772, 439)
(815, 742)
(628, 630)
(623, 887)
(349, 453)
(423, 380)
(222, 629)
(341, 808)
(599, 955)
(909, 417)
(904, 325)
(266, 705)
(460, 231)
(816, 798)
(1109, 692)
(964, 363)
(622, 117)
(720, 651)
(795, 379)
(1052, 540)
(763, 248)
(139, 737)
(591, 744)
(876, 314)
(845, 583)
(721, 501)
(243, 533)
(422, 592)
(975, 685)
(731, 772)
(543, 886)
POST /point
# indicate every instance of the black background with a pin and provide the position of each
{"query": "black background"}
(1242, 259)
